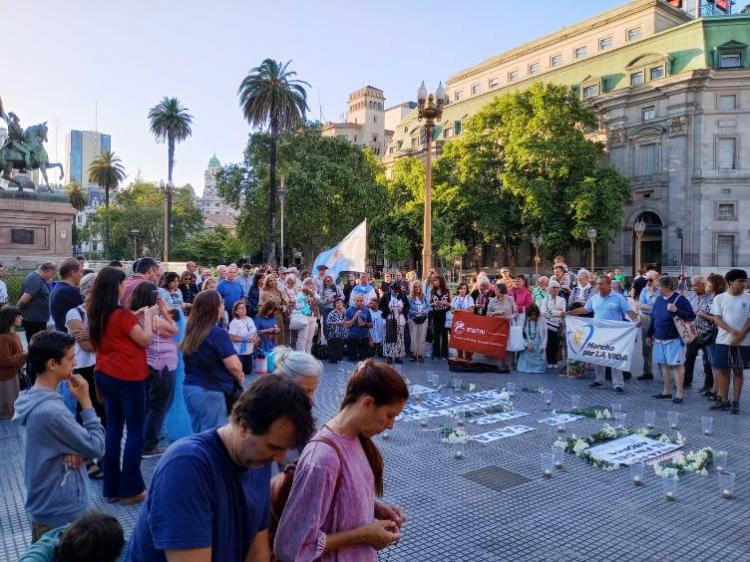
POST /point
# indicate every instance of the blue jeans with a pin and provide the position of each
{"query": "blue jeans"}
(207, 408)
(125, 403)
(160, 389)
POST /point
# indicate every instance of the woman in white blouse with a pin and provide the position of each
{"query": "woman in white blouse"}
(553, 310)
(463, 301)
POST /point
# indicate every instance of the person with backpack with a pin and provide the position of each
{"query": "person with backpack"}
(210, 496)
(331, 511)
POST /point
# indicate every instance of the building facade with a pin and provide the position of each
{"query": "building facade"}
(214, 209)
(673, 96)
(365, 123)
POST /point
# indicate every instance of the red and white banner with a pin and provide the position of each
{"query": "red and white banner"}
(479, 334)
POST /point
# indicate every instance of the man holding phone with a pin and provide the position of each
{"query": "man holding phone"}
(359, 322)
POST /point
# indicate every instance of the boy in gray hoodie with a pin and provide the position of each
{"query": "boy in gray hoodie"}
(56, 446)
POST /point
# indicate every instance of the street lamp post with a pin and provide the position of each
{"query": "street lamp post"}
(639, 228)
(134, 232)
(430, 109)
(682, 251)
(282, 196)
(536, 241)
(592, 238)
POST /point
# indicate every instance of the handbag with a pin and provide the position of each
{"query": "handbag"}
(419, 319)
(320, 351)
(708, 336)
(298, 321)
(686, 328)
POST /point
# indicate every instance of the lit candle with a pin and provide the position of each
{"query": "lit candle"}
(637, 480)
(459, 454)
(726, 494)
(547, 473)
(386, 436)
(561, 428)
(422, 423)
(670, 496)
(558, 464)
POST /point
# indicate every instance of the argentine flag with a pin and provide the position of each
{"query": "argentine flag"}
(347, 255)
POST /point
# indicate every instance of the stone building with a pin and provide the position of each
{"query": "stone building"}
(365, 123)
(673, 95)
(211, 202)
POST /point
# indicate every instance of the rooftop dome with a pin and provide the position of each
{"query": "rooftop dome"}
(214, 162)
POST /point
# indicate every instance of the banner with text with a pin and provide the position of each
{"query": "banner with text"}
(601, 342)
(479, 334)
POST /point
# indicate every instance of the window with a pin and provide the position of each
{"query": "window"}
(555, 60)
(448, 133)
(374, 138)
(590, 91)
(475, 89)
(727, 159)
(730, 60)
(726, 212)
(634, 34)
(458, 95)
(457, 127)
(355, 138)
(414, 142)
(636, 79)
(727, 103)
(374, 118)
(513, 76)
(534, 69)
(494, 82)
(656, 73)
(580, 52)
(406, 129)
(647, 159)
(648, 113)
(605, 43)
(725, 250)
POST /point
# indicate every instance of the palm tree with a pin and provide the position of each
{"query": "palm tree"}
(78, 199)
(107, 171)
(171, 122)
(271, 97)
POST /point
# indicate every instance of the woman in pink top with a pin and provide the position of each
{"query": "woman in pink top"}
(520, 293)
(333, 512)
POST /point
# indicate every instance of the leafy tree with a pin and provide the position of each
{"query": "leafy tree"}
(331, 187)
(140, 207)
(210, 247)
(170, 121)
(272, 98)
(78, 200)
(107, 171)
(547, 161)
(396, 248)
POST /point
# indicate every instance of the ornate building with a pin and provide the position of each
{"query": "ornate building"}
(673, 95)
(365, 122)
(214, 209)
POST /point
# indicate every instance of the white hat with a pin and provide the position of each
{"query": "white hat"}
(553, 284)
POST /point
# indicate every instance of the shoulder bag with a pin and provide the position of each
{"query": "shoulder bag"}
(686, 328)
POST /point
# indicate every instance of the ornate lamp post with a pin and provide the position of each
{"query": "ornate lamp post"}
(639, 228)
(536, 241)
(592, 238)
(430, 109)
(168, 191)
(282, 196)
(134, 233)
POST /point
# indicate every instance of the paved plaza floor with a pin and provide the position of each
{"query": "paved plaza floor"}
(494, 505)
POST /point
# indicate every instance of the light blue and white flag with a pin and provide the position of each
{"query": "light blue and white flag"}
(347, 255)
(601, 342)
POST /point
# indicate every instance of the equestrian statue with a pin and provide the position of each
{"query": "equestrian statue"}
(24, 150)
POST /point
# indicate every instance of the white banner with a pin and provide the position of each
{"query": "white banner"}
(631, 449)
(601, 342)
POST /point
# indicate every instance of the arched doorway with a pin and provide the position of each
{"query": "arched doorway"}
(650, 250)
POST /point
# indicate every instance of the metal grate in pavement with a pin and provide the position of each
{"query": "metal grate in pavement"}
(495, 478)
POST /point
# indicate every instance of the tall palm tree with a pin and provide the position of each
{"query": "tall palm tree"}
(170, 121)
(271, 97)
(78, 198)
(107, 171)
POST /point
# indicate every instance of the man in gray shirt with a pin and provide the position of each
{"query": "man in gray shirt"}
(34, 303)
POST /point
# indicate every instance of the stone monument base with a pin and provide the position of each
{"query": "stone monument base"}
(34, 227)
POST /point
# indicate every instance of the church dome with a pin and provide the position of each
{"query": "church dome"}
(214, 162)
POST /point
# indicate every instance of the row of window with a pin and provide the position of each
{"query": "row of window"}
(362, 105)
(535, 68)
(727, 157)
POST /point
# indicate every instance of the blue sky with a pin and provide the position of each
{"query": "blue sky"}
(61, 60)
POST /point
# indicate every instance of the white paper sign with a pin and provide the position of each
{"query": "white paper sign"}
(601, 342)
(502, 433)
(560, 418)
(419, 390)
(631, 449)
(499, 417)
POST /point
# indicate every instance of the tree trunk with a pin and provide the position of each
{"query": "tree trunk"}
(271, 242)
(106, 223)
(168, 225)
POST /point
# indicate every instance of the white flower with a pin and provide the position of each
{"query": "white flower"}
(504, 395)
(681, 439)
(608, 431)
(664, 438)
(642, 431)
(456, 436)
(560, 444)
(472, 387)
(580, 445)
(678, 459)
(660, 470)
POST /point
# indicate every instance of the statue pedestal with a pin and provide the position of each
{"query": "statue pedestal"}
(34, 228)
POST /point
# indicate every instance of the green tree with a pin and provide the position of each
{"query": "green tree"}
(170, 121)
(107, 171)
(272, 98)
(210, 247)
(78, 200)
(539, 136)
(396, 248)
(331, 184)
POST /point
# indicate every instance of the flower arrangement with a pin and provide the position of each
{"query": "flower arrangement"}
(692, 462)
(494, 409)
(533, 389)
(579, 446)
(453, 436)
(593, 413)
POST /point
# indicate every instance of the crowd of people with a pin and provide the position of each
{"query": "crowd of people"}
(110, 355)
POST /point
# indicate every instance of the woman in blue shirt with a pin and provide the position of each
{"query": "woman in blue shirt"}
(669, 349)
(267, 327)
(212, 369)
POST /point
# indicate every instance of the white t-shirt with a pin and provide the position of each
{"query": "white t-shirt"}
(244, 328)
(735, 311)
(462, 303)
(83, 358)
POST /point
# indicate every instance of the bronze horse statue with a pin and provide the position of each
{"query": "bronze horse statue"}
(13, 159)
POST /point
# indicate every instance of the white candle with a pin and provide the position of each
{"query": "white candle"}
(670, 495)
(459, 455)
(547, 473)
(637, 480)
(727, 494)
